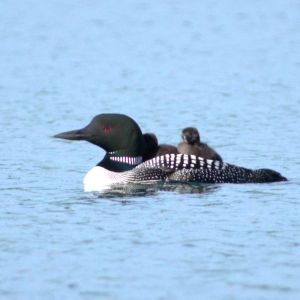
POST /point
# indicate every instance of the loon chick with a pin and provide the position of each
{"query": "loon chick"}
(126, 149)
(192, 145)
(154, 149)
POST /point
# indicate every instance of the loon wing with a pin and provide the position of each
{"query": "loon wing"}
(191, 168)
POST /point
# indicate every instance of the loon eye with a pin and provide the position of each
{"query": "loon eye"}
(106, 129)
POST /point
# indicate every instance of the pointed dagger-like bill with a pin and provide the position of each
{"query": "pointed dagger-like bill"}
(80, 134)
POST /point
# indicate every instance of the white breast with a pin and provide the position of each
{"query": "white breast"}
(98, 179)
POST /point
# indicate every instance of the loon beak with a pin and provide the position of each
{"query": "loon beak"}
(80, 134)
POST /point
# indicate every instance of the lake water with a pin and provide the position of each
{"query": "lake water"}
(229, 68)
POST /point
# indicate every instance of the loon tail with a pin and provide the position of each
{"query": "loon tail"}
(268, 175)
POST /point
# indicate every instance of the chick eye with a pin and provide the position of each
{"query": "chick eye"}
(106, 129)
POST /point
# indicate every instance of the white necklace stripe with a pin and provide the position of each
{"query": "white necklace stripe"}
(136, 160)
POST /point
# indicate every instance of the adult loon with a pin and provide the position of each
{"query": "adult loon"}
(126, 149)
(155, 149)
(191, 145)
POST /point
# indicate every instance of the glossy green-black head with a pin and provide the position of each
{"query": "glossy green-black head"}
(112, 132)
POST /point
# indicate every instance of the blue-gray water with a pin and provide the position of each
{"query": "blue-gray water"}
(230, 68)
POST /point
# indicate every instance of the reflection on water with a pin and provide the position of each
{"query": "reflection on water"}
(144, 190)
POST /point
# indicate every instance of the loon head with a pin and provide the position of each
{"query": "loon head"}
(119, 135)
(190, 135)
(151, 144)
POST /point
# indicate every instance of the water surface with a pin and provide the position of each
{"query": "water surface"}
(231, 69)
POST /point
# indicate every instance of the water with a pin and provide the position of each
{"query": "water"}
(229, 68)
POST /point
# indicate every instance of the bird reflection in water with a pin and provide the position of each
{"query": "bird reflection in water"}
(148, 190)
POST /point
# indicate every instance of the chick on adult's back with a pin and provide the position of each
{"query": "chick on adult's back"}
(192, 145)
(154, 149)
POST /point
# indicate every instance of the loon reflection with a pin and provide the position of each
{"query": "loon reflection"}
(135, 190)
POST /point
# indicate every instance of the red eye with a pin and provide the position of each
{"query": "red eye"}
(106, 129)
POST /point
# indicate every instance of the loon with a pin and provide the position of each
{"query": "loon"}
(154, 149)
(191, 145)
(126, 150)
